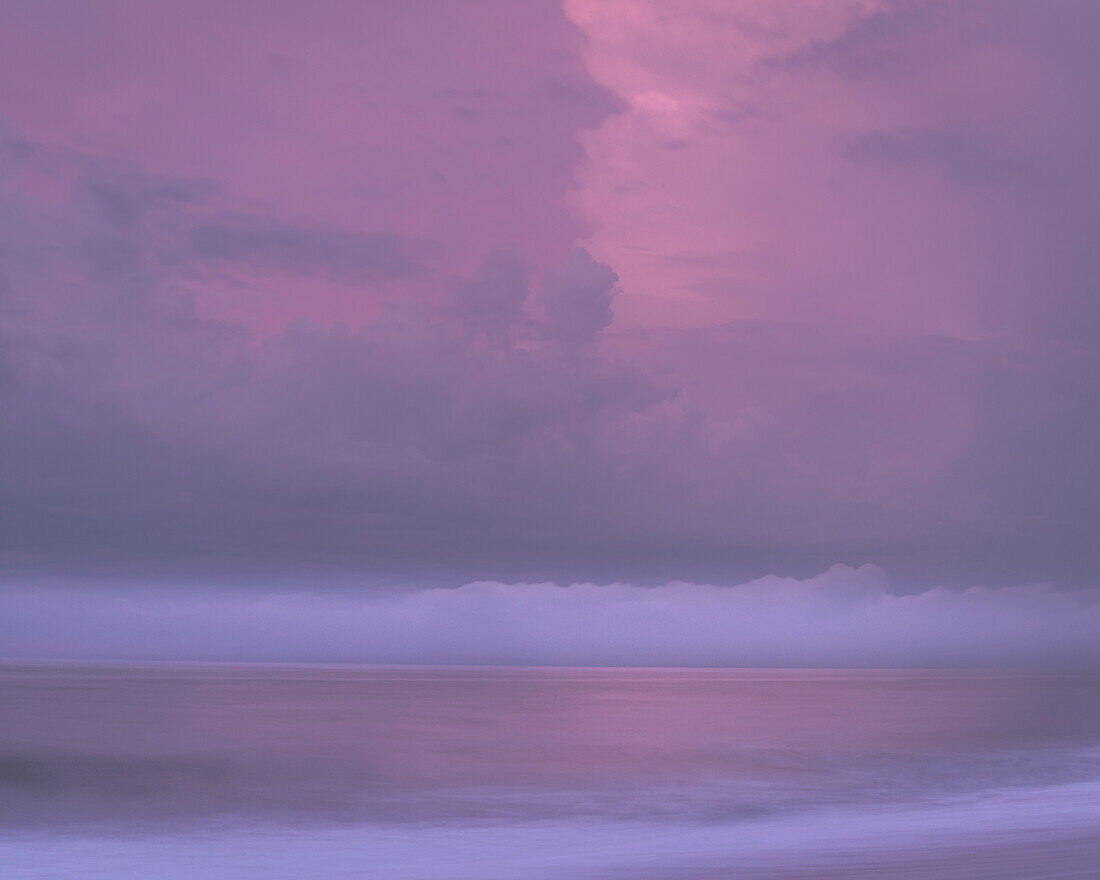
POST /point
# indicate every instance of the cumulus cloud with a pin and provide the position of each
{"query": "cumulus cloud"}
(891, 386)
(503, 434)
(843, 617)
(575, 298)
(138, 428)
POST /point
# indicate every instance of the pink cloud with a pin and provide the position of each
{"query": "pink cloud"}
(439, 124)
(834, 299)
(861, 164)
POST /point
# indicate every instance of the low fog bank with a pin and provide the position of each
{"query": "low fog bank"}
(843, 617)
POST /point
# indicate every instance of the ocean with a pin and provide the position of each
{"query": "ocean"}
(233, 771)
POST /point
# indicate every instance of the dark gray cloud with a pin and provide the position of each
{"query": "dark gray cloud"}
(575, 299)
(897, 39)
(244, 240)
(490, 304)
(960, 156)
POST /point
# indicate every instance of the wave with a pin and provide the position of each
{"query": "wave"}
(1022, 832)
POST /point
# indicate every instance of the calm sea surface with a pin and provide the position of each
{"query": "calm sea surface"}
(238, 771)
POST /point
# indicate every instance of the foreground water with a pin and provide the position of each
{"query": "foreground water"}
(236, 771)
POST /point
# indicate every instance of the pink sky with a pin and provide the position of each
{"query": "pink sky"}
(608, 289)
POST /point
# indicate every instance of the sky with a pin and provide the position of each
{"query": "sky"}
(381, 299)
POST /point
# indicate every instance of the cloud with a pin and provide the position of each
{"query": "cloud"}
(365, 119)
(989, 97)
(266, 244)
(490, 304)
(957, 155)
(138, 429)
(843, 617)
(504, 433)
(575, 298)
(888, 39)
(765, 358)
